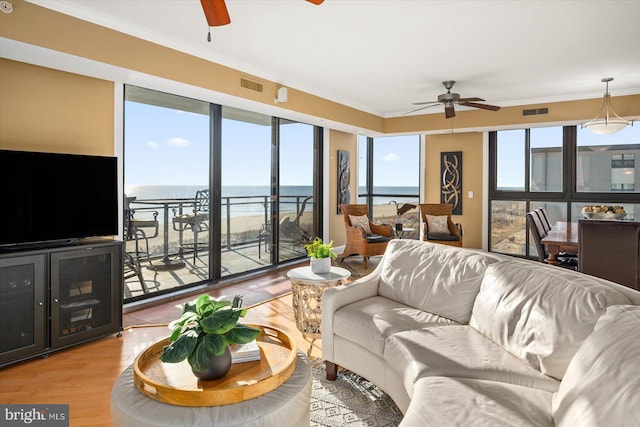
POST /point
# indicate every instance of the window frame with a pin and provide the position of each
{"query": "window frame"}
(569, 194)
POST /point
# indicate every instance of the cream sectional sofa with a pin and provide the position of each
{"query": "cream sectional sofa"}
(469, 338)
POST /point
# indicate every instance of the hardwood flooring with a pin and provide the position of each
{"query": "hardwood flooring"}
(83, 376)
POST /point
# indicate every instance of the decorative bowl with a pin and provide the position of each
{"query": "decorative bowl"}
(604, 215)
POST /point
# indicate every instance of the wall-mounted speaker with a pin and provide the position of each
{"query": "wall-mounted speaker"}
(281, 95)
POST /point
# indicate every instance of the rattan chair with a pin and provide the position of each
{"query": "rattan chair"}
(453, 238)
(358, 241)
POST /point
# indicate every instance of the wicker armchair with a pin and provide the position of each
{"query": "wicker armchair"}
(453, 238)
(358, 241)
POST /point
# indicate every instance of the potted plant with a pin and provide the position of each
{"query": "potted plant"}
(203, 333)
(321, 255)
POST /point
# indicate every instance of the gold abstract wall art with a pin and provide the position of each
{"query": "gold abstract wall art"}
(451, 180)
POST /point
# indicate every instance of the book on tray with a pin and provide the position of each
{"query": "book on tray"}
(245, 352)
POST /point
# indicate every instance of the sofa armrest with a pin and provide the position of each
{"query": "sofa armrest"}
(335, 298)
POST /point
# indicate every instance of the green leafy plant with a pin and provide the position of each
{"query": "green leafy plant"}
(206, 327)
(317, 249)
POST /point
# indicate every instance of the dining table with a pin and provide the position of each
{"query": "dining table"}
(563, 237)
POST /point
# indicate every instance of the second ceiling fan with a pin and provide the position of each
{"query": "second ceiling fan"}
(217, 14)
(449, 99)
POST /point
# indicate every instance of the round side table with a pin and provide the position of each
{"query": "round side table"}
(307, 288)
(404, 232)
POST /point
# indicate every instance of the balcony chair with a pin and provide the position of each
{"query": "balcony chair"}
(196, 221)
(437, 225)
(610, 250)
(291, 231)
(134, 231)
(537, 229)
(364, 237)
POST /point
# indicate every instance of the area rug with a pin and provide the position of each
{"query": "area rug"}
(350, 400)
(354, 265)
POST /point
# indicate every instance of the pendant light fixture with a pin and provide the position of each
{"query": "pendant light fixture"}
(607, 121)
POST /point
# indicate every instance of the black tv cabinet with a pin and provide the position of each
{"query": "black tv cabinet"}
(56, 297)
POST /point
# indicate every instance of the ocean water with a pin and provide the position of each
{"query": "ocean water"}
(241, 200)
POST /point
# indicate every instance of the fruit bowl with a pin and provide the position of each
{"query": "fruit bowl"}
(604, 215)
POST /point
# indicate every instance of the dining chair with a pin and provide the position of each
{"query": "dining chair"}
(544, 218)
(610, 250)
(538, 232)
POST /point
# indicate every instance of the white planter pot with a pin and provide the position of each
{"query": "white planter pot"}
(320, 265)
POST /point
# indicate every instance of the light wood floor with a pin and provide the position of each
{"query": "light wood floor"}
(83, 376)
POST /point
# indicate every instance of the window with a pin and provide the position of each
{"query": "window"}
(561, 169)
(183, 156)
(389, 176)
(607, 162)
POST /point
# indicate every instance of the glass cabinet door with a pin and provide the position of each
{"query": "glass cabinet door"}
(84, 301)
(22, 307)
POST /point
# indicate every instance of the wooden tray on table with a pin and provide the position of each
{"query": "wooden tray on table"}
(174, 383)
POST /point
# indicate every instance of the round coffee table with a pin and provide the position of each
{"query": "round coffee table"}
(288, 404)
(306, 289)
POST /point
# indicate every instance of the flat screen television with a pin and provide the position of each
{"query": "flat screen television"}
(46, 197)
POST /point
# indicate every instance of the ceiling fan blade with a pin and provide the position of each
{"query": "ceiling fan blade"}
(215, 12)
(423, 108)
(482, 106)
(461, 100)
(449, 111)
(425, 103)
(316, 2)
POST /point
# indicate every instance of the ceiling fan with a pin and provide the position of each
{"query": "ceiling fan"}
(448, 99)
(217, 14)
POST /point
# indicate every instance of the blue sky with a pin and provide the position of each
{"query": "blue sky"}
(165, 146)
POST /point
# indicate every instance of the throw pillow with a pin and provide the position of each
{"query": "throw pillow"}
(360, 221)
(437, 224)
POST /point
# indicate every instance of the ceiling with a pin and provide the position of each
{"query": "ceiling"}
(382, 56)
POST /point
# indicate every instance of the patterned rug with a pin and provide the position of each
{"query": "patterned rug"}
(354, 265)
(350, 400)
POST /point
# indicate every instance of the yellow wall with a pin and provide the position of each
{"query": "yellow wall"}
(347, 142)
(471, 146)
(53, 111)
(42, 27)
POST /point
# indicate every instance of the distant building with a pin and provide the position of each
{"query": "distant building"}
(600, 169)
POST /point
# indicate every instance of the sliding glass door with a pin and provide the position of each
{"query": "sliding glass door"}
(246, 191)
(212, 191)
(295, 192)
(166, 164)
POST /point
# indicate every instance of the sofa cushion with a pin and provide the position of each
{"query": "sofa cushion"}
(442, 401)
(457, 351)
(540, 313)
(431, 277)
(370, 321)
(602, 384)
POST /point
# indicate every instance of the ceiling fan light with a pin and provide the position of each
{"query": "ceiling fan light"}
(607, 121)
